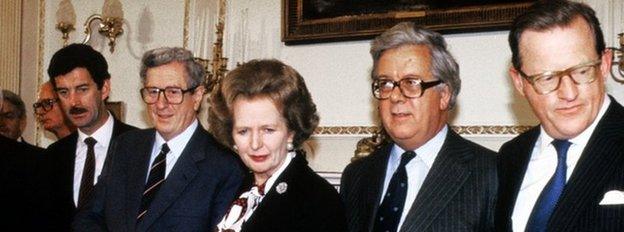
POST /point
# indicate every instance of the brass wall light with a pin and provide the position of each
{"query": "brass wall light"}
(110, 26)
(618, 60)
(65, 19)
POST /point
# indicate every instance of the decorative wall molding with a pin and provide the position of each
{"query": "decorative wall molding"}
(11, 12)
(462, 130)
(39, 130)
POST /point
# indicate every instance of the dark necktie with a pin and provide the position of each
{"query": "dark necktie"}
(88, 173)
(547, 200)
(154, 181)
(391, 208)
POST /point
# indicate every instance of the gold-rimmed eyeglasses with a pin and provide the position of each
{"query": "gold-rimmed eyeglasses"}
(547, 82)
(44, 105)
(173, 95)
(409, 87)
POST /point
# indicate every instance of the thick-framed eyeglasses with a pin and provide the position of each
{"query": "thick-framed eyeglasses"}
(43, 106)
(547, 82)
(173, 95)
(409, 87)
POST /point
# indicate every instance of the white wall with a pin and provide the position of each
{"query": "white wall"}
(336, 73)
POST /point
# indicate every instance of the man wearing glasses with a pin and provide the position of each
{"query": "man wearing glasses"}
(174, 176)
(79, 75)
(427, 178)
(566, 174)
(12, 116)
(49, 113)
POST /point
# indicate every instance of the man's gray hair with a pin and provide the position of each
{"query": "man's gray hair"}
(165, 55)
(443, 65)
(16, 101)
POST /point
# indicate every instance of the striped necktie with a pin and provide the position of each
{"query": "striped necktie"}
(154, 181)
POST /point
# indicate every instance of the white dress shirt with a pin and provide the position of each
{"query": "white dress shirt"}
(176, 147)
(417, 169)
(542, 165)
(103, 136)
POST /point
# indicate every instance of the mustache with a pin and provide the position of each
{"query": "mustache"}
(77, 110)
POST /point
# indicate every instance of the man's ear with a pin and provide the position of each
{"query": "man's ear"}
(105, 89)
(605, 66)
(517, 79)
(445, 97)
(198, 96)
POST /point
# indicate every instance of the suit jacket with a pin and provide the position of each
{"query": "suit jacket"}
(309, 203)
(19, 184)
(60, 159)
(458, 193)
(599, 170)
(194, 196)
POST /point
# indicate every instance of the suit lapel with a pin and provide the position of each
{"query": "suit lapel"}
(445, 178)
(599, 160)
(513, 164)
(70, 164)
(376, 176)
(180, 176)
(137, 175)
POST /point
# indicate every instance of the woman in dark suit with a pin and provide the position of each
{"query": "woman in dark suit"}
(264, 111)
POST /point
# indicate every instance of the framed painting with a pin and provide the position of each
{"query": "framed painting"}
(312, 21)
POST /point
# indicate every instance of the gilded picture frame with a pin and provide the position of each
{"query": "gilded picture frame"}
(313, 21)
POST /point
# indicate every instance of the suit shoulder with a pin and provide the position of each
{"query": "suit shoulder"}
(63, 142)
(522, 139)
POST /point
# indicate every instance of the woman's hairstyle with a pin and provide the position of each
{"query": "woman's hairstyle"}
(264, 78)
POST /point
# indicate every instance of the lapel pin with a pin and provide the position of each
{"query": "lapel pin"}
(281, 187)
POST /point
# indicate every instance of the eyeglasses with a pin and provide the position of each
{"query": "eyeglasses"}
(548, 82)
(409, 87)
(173, 95)
(43, 106)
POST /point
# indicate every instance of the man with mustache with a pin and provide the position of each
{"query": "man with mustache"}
(79, 75)
(49, 112)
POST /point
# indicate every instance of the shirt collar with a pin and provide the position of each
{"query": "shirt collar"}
(102, 135)
(177, 143)
(273, 178)
(427, 152)
(545, 139)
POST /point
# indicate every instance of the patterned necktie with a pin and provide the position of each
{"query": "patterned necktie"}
(154, 181)
(547, 200)
(88, 173)
(391, 208)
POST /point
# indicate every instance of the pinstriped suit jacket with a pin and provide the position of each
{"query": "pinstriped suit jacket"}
(599, 170)
(458, 194)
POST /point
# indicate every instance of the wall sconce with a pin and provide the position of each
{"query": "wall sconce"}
(111, 21)
(618, 60)
(66, 19)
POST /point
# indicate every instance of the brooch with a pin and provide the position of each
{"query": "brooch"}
(281, 187)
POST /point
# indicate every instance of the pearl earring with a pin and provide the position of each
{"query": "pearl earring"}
(235, 147)
(290, 147)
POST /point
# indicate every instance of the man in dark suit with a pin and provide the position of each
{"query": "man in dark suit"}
(427, 178)
(174, 177)
(565, 174)
(19, 186)
(80, 77)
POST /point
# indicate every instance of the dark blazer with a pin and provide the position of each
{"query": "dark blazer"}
(458, 193)
(309, 203)
(19, 184)
(60, 159)
(194, 196)
(599, 170)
